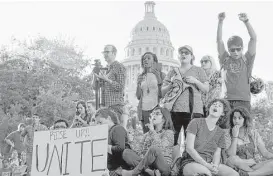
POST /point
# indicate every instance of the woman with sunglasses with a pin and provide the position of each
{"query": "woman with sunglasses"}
(237, 66)
(155, 151)
(148, 90)
(214, 76)
(189, 104)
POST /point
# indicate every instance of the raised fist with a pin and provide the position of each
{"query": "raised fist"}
(243, 17)
(221, 16)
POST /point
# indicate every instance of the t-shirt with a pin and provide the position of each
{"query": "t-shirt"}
(18, 140)
(5, 172)
(199, 128)
(182, 102)
(149, 88)
(236, 73)
(118, 138)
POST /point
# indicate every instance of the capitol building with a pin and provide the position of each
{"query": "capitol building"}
(148, 35)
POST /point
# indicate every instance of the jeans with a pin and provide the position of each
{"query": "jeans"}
(182, 119)
(240, 103)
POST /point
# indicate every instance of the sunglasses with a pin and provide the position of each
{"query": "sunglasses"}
(184, 52)
(204, 61)
(106, 52)
(235, 49)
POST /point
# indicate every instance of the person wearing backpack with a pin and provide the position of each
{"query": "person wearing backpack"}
(236, 67)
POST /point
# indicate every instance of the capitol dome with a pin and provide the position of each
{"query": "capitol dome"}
(148, 35)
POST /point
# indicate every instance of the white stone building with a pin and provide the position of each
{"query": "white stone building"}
(148, 35)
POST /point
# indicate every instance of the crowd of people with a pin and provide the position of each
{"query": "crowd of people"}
(212, 106)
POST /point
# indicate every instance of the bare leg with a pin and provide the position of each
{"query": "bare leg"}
(264, 169)
(240, 163)
(224, 170)
(193, 169)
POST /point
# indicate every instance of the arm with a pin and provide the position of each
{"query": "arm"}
(9, 139)
(220, 44)
(190, 139)
(138, 90)
(253, 37)
(119, 84)
(231, 151)
(217, 157)
(167, 84)
(204, 87)
(119, 135)
(262, 148)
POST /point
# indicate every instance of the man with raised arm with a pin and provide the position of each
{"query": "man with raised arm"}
(236, 66)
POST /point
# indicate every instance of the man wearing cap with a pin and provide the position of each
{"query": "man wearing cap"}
(113, 80)
(236, 67)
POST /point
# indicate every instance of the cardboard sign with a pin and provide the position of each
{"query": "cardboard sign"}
(71, 152)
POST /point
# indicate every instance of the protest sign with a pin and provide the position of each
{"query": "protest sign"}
(71, 152)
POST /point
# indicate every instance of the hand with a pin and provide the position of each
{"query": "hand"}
(235, 131)
(140, 78)
(126, 109)
(243, 17)
(251, 162)
(190, 79)
(150, 125)
(213, 168)
(222, 16)
(102, 76)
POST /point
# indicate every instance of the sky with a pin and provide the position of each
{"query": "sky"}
(93, 24)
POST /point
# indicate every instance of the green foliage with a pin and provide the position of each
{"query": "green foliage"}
(43, 76)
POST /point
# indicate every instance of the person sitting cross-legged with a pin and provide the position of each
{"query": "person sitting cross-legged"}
(246, 144)
(155, 154)
(204, 142)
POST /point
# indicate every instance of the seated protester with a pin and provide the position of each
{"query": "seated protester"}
(245, 145)
(82, 118)
(14, 160)
(23, 164)
(117, 139)
(60, 124)
(204, 142)
(156, 149)
(6, 169)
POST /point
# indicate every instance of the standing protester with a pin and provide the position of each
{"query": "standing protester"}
(15, 140)
(214, 76)
(189, 103)
(28, 134)
(148, 90)
(113, 81)
(82, 118)
(237, 67)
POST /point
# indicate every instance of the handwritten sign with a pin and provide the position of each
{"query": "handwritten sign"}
(71, 152)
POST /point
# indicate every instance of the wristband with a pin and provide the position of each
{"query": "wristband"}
(246, 21)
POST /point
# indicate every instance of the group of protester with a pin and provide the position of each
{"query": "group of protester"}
(220, 139)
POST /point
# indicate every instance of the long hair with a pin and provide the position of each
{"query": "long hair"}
(84, 105)
(213, 67)
(168, 124)
(223, 121)
(105, 113)
(245, 114)
(143, 56)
